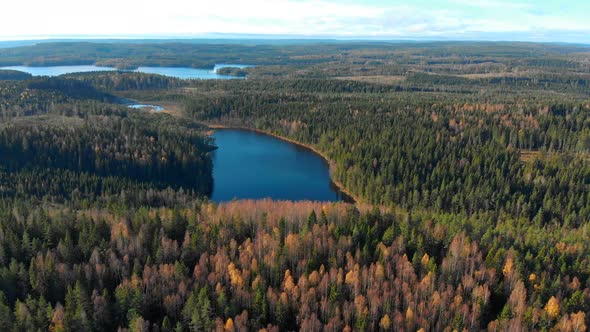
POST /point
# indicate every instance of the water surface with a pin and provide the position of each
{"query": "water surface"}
(250, 165)
(57, 70)
(191, 73)
(178, 72)
(146, 106)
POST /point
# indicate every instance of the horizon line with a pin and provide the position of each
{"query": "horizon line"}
(269, 37)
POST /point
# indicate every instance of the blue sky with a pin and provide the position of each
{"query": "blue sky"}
(523, 20)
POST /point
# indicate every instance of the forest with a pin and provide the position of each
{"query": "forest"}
(470, 163)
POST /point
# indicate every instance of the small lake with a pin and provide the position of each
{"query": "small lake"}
(191, 73)
(178, 72)
(147, 107)
(250, 165)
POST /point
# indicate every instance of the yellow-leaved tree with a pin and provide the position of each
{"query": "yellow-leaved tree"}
(552, 307)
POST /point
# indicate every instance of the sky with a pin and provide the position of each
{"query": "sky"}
(521, 20)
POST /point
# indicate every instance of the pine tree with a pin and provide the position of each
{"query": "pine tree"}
(6, 320)
(77, 316)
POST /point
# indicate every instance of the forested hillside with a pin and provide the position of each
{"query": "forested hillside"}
(427, 150)
(471, 162)
(57, 144)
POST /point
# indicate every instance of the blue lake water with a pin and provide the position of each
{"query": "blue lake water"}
(250, 165)
(178, 72)
(56, 70)
(190, 73)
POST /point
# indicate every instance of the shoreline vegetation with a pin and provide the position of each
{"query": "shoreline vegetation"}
(347, 196)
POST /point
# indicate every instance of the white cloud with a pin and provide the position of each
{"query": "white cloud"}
(300, 17)
(492, 4)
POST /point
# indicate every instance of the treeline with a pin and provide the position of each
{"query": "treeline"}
(13, 75)
(121, 81)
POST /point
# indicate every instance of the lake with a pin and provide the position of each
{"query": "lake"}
(56, 70)
(251, 165)
(178, 72)
(191, 73)
(147, 107)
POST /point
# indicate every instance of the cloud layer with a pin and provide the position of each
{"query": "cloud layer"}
(420, 19)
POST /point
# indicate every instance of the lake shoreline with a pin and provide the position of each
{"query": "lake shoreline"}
(347, 195)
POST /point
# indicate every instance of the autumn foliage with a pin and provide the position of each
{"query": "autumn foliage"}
(250, 265)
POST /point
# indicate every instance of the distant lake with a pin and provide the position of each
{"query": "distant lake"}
(145, 106)
(191, 73)
(250, 165)
(178, 72)
(57, 70)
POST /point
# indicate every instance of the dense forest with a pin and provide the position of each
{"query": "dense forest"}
(56, 142)
(447, 155)
(470, 162)
(13, 75)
